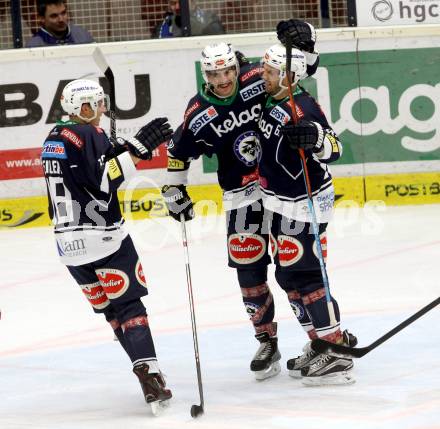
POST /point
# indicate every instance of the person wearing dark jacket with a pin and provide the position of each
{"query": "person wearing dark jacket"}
(55, 27)
(202, 22)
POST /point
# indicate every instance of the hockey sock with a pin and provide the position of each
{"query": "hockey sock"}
(316, 305)
(138, 339)
(286, 279)
(301, 314)
(258, 301)
(119, 334)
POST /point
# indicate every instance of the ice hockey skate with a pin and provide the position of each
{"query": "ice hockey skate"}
(153, 388)
(329, 370)
(265, 363)
(294, 365)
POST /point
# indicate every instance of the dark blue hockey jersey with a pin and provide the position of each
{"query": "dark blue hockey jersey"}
(83, 172)
(225, 127)
(281, 175)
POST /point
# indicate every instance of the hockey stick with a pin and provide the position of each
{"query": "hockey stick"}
(196, 410)
(331, 310)
(101, 62)
(322, 346)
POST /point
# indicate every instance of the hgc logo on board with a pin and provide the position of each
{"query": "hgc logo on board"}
(19, 106)
(419, 11)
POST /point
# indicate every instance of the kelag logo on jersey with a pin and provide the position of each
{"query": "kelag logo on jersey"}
(247, 148)
(280, 115)
(52, 149)
(203, 118)
(253, 90)
(237, 121)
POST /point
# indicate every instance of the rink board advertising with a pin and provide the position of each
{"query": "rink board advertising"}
(382, 96)
(397, 12)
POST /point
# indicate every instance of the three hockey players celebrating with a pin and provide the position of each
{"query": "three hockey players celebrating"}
(243, 116)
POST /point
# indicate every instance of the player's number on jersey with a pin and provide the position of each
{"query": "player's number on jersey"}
(61, 200)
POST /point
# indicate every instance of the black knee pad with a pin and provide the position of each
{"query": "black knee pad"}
(304, 281)
(285, 278)
(110, 313)
(252, 277)
(129, 310)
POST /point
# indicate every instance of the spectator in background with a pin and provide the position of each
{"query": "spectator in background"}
(202, 22)
(55, 27)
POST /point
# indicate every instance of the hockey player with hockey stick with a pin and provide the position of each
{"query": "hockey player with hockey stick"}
(83, 172)
(285, 196)
(222, 119)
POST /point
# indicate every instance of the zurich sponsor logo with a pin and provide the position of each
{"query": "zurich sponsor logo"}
(279, 114)
(53, 149)
(253, 90)
(203, 118)
(247, 148)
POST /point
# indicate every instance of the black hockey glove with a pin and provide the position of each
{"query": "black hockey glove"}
(178, 201)
(242, 59)
(149, 137)
(302, 34)
(303, 135)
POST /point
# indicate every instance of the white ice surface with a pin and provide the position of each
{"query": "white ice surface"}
(60, 368)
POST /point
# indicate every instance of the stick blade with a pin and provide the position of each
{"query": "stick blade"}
(100, 60)
(321, 346)
(196, 411)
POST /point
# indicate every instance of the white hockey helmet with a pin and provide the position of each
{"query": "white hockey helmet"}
(276, 57)
(217, 57)
(79, 92)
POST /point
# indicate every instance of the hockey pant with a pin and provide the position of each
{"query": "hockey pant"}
(248, 242)
(298, 273)
(113, 286)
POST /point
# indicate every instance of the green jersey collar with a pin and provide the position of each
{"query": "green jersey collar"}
(271, 102)
(207, 95)
(69, 122)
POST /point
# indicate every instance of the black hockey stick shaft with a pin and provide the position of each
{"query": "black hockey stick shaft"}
(101, 62)
(322, 346)
(196, 410)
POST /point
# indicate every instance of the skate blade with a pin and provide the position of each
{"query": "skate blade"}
(158, 407)
(337, 379)
(295, 373)
(272, 371)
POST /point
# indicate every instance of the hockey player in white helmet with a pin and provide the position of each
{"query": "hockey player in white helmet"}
(284, 194)
(220, 69)
(83, 172)
(222, 120)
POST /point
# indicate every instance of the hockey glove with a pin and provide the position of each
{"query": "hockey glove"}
(178, 201)
(302, 34)
(149, 137)
(303, 135)
(242, 59)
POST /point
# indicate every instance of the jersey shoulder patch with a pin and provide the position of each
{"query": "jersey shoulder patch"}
(193, 106)
(313, 109)
(203, 118)
(248, 74)
(300, 108)
(72, 137)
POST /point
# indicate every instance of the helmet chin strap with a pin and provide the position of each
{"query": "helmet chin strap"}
(88, 120)
(283, 87)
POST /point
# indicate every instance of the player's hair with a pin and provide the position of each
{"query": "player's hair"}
(42, 5)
